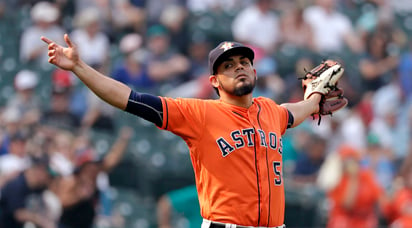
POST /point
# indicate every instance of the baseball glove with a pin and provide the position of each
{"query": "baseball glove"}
(332, 102)
(323, 79)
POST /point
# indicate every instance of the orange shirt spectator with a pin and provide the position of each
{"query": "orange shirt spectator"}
(355, 197)
(401, 204)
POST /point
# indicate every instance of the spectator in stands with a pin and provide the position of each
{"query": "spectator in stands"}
(155, 8)
(45, 18)
(26, 102)
(19, 194)
(377, 67)
(128, 17)
(295, 31)
(78, 197)
(91, 41)
(405, 70)
(257, 26)
(66, 80)
(391, 123)
(59, 115)
(346, 127)
(16, 159)
(379, 161)
(62, 152)
(356, 195)
(83, 104)
(175, 19)
(198, 83)
(179, 203)
(309, 161)
(9, 125)
(401, 203)
(294, 144)
(324, 18)
(269, 83)
(79, 192)
(131, 69)
(381, 17)
(198, 54)
(165, 64)
(116, 16)
(201, 6)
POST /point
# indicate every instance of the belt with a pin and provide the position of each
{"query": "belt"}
(211, 224)
(218, 225)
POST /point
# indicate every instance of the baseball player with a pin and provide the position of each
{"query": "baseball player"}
(235, 141)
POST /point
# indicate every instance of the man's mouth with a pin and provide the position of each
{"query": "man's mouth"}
(241, 76)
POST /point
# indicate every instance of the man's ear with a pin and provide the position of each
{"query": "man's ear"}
(213, 81)
(254, 70)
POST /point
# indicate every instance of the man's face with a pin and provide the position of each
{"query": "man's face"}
(235, 76)
(18, 147)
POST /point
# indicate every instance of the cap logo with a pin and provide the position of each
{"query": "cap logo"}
(226, 46)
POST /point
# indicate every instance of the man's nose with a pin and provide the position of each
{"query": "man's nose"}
(239, 66)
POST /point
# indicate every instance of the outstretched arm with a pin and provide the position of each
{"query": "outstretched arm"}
(67, 58)
(303, 109)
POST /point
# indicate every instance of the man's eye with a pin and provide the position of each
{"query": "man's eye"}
(245, 62)
(228, 65)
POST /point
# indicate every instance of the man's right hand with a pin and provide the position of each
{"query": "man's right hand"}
(64, 57)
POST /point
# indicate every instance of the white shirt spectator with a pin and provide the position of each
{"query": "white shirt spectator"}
(254, 27)
(92, 49)
(329, 28)
(391, 122)
(92, 43)
(344, 127)
(61, 164)
(31, 42)
(11, 163)
(206, 5)
(401, 6)
(44, 16)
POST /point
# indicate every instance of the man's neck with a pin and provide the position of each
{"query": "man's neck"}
(244, 101)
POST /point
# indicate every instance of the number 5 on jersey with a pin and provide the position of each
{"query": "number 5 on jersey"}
(277, 167)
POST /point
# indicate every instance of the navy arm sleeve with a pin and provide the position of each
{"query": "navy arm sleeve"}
(291, 119)
(147, 106)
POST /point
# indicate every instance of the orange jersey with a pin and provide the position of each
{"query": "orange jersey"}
(402, 222)
(236, 155)
(363, 212)
(401, 202)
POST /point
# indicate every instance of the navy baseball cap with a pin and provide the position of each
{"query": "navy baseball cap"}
(226, 49)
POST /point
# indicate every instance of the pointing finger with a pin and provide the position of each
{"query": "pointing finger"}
(46, 40)
(50, 43)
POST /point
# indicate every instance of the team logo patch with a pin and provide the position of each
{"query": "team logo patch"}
(226, 46)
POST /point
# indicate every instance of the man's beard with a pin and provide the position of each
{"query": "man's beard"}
(244, 89)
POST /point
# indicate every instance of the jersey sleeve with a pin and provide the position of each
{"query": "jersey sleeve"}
(184, 117)
(285, 118)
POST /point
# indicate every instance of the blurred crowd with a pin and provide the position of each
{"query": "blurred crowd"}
(359, 159)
